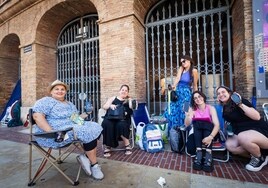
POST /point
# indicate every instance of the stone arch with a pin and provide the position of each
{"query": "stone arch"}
(47, 33)
(9, 67)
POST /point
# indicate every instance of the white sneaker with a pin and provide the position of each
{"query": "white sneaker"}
(85, 163)
(96, 172)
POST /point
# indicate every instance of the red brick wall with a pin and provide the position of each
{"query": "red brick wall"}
(9, 67)
(121, 37)
(243, 48)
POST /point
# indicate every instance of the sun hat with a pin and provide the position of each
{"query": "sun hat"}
(57, 82)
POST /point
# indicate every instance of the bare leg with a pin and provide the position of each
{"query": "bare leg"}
(125, 140)
(92, 155)
(127, 145)
(233, 146)
(252, 141)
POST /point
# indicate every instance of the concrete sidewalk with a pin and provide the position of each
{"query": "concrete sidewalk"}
(14, 173)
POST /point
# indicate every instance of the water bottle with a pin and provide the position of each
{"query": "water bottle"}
(88, 107)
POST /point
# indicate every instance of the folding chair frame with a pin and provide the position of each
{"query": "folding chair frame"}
(132, 130)
(48, 157)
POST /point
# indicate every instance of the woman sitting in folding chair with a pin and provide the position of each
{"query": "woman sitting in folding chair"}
(56, 113)
(117, 127)
(206, 126)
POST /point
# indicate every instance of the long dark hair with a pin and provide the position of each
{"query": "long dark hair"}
(229, 106)
(187, 57)
(193, 104)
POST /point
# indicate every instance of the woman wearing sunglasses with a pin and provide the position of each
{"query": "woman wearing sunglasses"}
(184, 84)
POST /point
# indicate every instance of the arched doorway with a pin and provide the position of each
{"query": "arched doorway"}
(198, 28)
(10, 72)
(78, 61)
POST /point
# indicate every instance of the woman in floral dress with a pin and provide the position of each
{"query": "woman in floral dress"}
(54, 113)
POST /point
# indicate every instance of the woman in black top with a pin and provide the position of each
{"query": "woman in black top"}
(115, 130)
(250, 130)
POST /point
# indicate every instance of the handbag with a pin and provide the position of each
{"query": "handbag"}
(177, 140)
(118, 113)
(173, 96)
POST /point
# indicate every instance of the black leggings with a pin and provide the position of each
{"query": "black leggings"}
(202, 129)
(91, 145)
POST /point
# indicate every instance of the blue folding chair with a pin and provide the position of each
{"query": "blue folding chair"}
(220, 146)
(217, 146)
(141, 115)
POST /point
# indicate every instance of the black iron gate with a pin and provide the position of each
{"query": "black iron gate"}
(78, 61)
(199, 28)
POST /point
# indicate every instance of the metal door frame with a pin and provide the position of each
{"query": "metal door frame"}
(198, 28)
(78, 61)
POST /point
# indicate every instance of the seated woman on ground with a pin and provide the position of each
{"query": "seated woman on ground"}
(250, 130)
(115, 130)
(54, 113)
(206, 126)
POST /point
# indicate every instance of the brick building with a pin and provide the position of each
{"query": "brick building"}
(97, 45)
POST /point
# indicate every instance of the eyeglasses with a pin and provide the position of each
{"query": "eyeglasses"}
(198, 97)
(183, 61)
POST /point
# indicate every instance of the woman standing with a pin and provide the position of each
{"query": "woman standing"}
(206, 126)
(185, 83)
(250, 130)
(115, 130)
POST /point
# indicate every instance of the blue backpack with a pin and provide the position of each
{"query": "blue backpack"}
(152, 139)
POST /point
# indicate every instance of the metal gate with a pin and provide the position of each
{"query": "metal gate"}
(199, 28)
(78, 61)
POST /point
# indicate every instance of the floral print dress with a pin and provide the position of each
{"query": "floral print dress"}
(58, 116)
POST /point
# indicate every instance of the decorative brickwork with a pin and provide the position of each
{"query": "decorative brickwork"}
(121, 49)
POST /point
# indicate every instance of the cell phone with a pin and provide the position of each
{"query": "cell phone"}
(186, 106)
(236, 98)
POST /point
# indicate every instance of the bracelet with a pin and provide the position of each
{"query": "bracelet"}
(211, 136)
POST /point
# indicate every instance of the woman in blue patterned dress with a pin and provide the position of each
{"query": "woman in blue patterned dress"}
(185, 83)
(54, 113)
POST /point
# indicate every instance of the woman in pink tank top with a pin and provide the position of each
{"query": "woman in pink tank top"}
(206, 126)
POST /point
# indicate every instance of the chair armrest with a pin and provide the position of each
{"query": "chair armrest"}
(53, 133)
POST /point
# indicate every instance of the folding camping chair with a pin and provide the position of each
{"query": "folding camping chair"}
(102, 113)
(219, 146)
(141, 114)
(49, 159)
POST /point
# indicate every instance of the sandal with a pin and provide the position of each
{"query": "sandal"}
(128, 150)
(107, 152)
